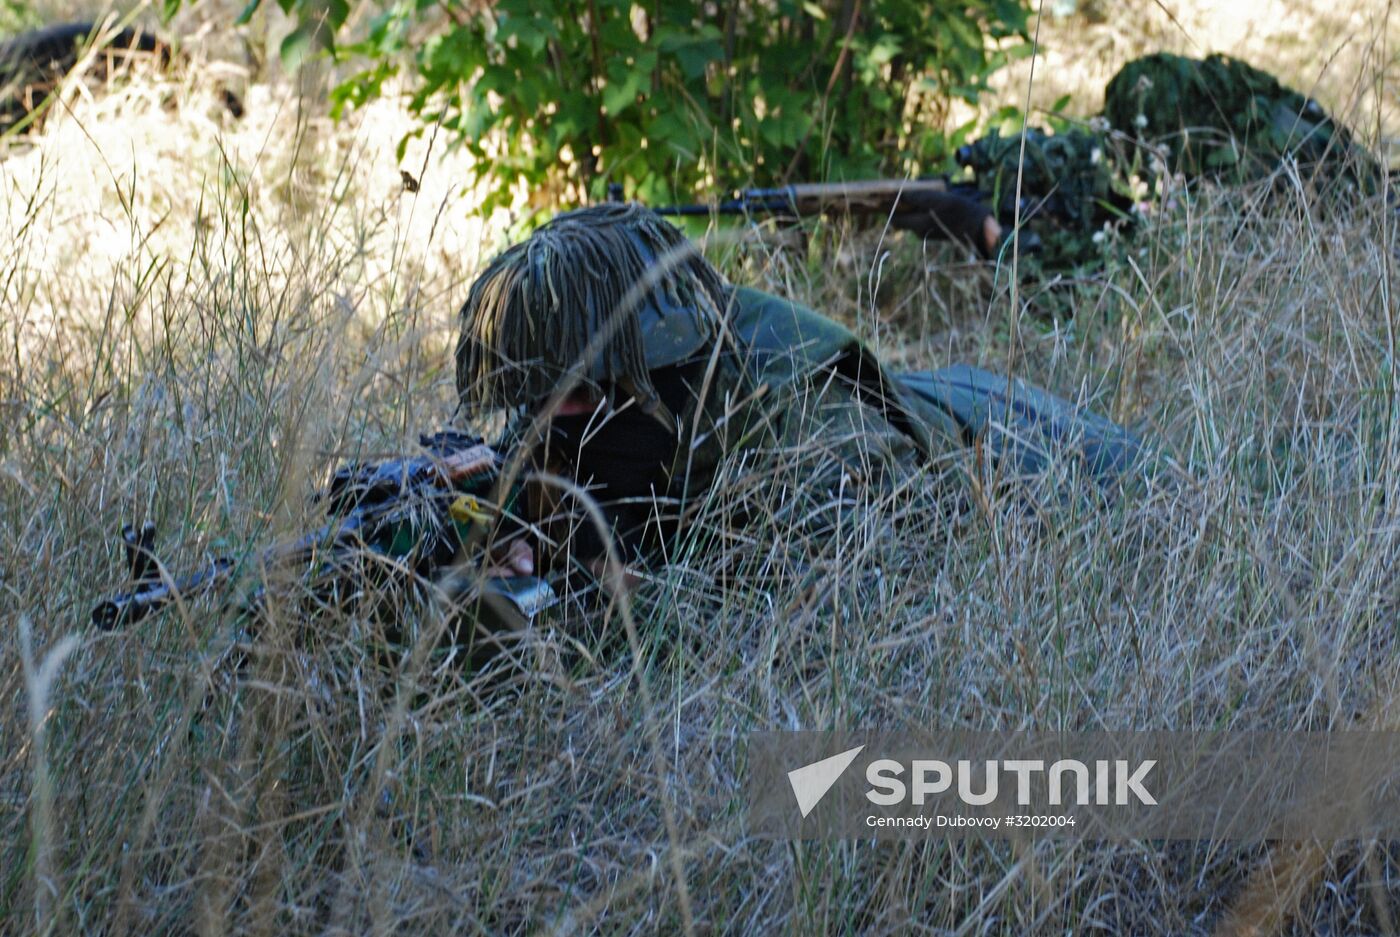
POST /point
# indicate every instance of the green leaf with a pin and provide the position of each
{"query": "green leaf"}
(524, 30)
(1222, 156)
(1023, 50)
(337, 11)
(695, 57)
(247, 15)
(295, 47)
(622, 89)
(965, 32)
(666, 126)
(883, 51)
(617, 36)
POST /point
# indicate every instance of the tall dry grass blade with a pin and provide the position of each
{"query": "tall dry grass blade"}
(39, 682)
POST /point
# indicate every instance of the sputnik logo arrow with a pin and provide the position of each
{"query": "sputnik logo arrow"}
(811, 782)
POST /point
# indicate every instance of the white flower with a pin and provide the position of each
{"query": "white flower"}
(1140, 121)
(1099, 124)
(1095, 156)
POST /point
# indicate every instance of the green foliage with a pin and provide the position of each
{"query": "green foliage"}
(16, 17)
(675, 96)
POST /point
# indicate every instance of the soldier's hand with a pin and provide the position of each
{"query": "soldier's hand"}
(512, 559)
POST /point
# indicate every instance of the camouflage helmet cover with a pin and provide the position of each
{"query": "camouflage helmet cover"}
(605, 294)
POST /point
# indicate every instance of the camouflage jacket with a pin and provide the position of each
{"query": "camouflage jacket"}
(802, 387)
(783, 376)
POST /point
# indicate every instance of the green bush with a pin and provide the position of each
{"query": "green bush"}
(676, 96)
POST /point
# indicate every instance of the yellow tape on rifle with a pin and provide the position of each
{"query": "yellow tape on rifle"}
(468, 510)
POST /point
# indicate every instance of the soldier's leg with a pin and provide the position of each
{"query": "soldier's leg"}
(1025, 424)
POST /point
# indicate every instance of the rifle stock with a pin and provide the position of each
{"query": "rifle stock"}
(871, 195)
(811, 198)
(930, 208)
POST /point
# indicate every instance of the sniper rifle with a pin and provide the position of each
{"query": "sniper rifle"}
(416, 512)
(930, 208)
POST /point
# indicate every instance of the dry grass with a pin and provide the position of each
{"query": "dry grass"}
(200, 318)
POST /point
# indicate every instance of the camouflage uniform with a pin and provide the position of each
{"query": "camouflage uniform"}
(822, 375)
(744, 372)
(1071, 184)
(1220, 116)
(33, 63)
(1216, 117)
(782, 368)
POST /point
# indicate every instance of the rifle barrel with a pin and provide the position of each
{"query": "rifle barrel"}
(126, 608)
(691, 210)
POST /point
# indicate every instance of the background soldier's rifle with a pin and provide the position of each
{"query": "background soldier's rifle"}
(417, 512)
(930, 208)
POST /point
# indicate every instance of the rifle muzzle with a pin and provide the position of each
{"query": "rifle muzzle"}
(127, 608)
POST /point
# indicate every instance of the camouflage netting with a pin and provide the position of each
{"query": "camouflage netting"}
(1070, 183)
(1223, 117)
(1216, 117)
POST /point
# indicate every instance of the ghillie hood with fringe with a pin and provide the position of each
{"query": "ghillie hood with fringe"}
(1221, 116)
(601, 294)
